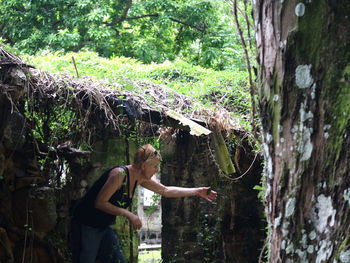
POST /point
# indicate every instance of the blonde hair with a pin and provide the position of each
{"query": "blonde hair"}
(146, 153)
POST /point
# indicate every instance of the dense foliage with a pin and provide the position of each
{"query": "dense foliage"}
(210, 88)
(200, 31)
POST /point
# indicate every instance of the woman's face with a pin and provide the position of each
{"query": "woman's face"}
(150, 168)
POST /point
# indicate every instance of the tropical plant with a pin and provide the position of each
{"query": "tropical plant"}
(201, 32)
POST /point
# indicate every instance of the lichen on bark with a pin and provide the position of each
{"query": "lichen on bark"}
(304, 99)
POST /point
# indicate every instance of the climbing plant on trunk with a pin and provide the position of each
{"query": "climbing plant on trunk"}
(304, 57)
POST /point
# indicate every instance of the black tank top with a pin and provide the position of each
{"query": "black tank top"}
(85, 211)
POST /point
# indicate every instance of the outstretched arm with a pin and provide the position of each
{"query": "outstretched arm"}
(174, 191)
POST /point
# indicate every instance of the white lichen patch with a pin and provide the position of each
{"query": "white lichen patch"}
(300, 9)
(310, 249)
(294, 131)
(305, 146)
(325, 131)
(268, 138)
(275, 98)
(312, 235)
(277, 221)
(268, 162)
(313, 91)
(303, 241)
(345, 256)
(305, 115)
(289, 248)
(323, 214)
(283, 44)
(303, 78)
(302, 255)
(325, 251)
(290, 207)
(280, 128)
(326, 135)
(327, 127)
(346, 195)
(268, 191)
(283, 245)
(285, 227)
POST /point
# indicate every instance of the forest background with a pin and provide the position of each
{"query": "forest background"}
(192, 46)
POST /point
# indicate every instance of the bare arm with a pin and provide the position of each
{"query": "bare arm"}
(174, 191)
(102, 203)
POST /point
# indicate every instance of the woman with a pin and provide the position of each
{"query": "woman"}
(92, 238)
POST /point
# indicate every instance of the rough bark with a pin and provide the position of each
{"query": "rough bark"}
(304, 52)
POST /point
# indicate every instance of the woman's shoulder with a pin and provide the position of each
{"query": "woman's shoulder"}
(118, 171)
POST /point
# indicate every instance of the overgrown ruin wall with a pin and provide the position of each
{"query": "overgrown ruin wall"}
(35, 204)
(34, 216)
(39, 183)
(195, 231)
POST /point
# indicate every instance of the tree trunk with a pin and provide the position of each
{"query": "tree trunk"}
(304, 96)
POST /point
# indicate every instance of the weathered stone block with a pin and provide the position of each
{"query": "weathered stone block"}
(19, 78)
(35, 208)
(14, 132)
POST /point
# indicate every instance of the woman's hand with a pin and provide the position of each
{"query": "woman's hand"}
(135, 221)
(206, 193)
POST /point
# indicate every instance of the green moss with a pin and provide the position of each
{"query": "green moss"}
(276, 107)
(276, 120)
(310, 35)
(345, 245)
(339, 118)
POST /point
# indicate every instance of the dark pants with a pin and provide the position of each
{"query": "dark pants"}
(89, 244)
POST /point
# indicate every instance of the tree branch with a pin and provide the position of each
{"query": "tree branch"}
(124, 18)
(130, 18)
(249, 68)
(248, 24)
(125, 12)
(141, 16)
(200, 29)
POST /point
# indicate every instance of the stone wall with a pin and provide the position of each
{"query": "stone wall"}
(31, 212)
(36, 196)
(195, 231)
